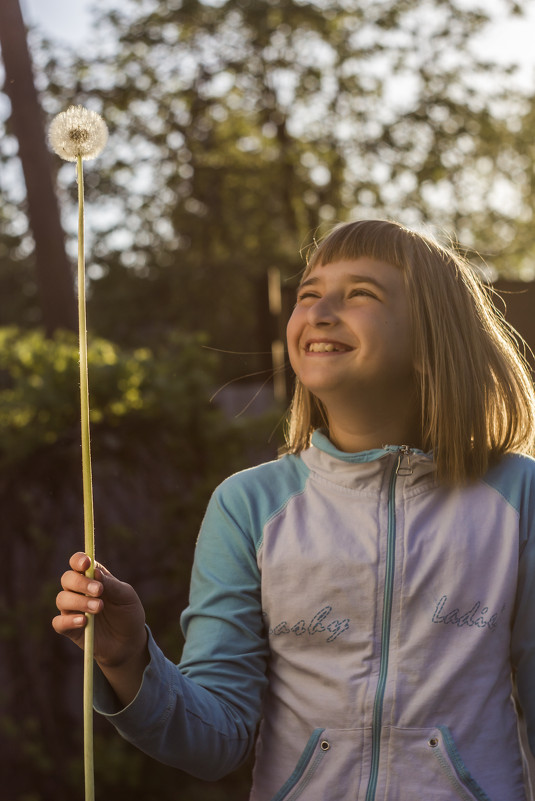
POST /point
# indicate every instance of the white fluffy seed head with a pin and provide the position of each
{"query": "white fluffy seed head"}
(78, 132)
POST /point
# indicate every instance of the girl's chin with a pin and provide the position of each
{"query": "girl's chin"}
(331, 393)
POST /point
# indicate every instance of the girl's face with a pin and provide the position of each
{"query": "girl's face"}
(349, 334)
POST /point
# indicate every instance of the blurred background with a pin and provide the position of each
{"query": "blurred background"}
(240, 130)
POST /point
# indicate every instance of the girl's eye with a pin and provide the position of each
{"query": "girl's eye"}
(305, 295)
(308, 294)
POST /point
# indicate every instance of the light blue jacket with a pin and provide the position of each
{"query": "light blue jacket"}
(370, 618)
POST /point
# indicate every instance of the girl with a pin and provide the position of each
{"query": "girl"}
(369, 596)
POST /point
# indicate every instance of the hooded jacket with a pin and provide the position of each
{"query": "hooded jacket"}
(372, 621)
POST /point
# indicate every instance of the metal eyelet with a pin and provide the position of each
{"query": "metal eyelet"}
(324, 745)
(433, 742)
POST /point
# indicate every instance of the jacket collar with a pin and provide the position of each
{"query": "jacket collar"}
(365, 470)
(321, 441)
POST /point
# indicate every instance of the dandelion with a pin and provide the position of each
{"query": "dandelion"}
(75, 135)
(78, 132)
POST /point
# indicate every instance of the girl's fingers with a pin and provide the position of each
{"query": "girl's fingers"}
(73, 602)
(76, 582)
(80, 562)
(67, 624)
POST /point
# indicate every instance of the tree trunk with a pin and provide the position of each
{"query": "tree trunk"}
(54, 275)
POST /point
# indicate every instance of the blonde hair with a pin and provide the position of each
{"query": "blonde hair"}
(475, 388)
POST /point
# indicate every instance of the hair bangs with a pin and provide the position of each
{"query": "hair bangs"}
(374, 239)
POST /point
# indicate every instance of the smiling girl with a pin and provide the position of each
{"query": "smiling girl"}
(350, 344)
(369, 597)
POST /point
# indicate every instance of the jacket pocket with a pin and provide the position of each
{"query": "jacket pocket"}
(444, 750)
(309, 762)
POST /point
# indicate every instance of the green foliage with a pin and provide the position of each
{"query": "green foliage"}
(159, 449)
(39, 399)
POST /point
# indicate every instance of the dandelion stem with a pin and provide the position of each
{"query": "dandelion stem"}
(89, 532)
(77, 134)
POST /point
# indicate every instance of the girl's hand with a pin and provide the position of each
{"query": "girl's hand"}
(120, 635)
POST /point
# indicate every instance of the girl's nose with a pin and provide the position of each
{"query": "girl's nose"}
(322, 312)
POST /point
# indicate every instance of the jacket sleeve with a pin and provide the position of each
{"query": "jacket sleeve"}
(201, 715)
(523, 633)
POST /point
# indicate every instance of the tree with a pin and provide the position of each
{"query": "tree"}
(239, 128)
(52, 266)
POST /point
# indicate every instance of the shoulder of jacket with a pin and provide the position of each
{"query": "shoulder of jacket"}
(514, 478)
(262, 490)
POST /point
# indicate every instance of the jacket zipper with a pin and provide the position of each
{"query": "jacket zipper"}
(404, 451)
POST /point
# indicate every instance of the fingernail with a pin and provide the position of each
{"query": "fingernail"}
(78, 621)
(93, 587)
(93, 605)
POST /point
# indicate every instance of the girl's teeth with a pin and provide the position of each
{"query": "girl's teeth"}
(322, 347)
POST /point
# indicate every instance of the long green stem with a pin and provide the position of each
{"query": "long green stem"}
(89, 530)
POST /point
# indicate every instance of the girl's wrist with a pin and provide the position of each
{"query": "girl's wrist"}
(135, 653)
(126, 676)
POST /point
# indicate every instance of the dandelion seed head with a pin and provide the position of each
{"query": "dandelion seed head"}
(78, 132)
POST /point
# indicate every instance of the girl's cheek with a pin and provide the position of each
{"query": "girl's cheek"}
(292, 359)
(292, 337)
(293, 352)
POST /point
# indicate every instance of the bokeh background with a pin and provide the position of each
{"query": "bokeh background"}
(240, 130)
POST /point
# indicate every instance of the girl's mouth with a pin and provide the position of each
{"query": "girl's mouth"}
(326, 347)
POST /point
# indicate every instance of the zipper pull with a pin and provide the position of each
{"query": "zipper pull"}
(405, 470)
